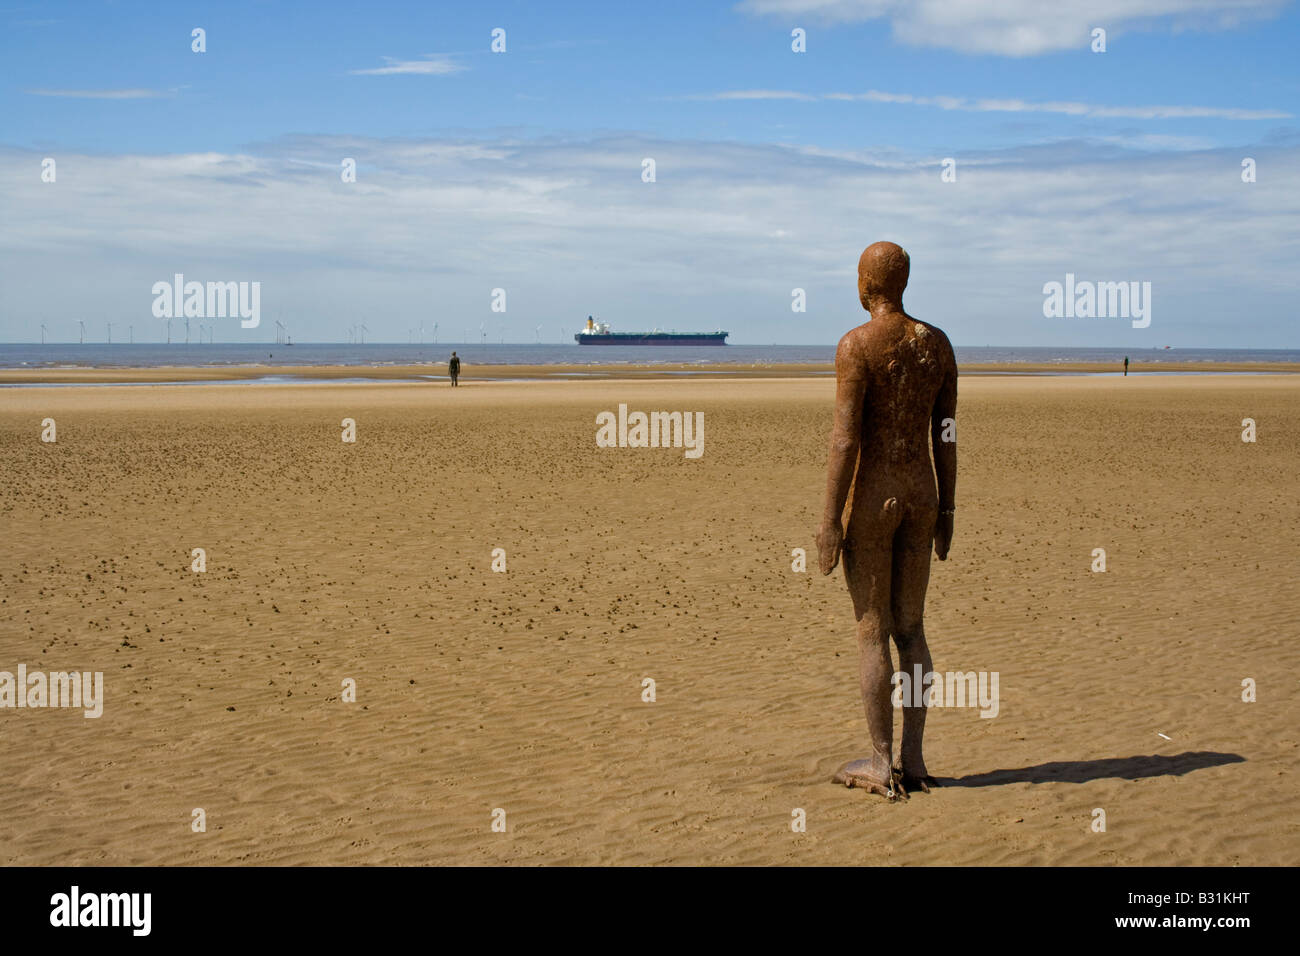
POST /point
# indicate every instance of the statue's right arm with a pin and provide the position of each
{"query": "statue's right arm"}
(846, 438)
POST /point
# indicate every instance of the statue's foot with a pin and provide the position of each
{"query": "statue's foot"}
(872, 775)
(922, 782)
(906, 781)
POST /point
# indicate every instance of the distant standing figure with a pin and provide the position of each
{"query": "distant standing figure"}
(1126, 366)
(453, 368)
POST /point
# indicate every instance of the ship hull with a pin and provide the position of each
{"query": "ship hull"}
(652, 338)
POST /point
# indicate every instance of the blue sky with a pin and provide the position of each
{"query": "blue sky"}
(522, 170)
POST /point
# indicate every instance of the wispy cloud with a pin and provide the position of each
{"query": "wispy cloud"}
(1062, 107)
(103, 94)
(754, 95)
(431, 64)
(727, 230)
(1020, 27)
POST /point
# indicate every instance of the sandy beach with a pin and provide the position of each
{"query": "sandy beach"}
(522, 690)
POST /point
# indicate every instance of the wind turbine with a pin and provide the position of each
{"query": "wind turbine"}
(187, 330)
(279, 332)
(482, 331)
(110, 333)
(435, 333)
(169, 331)
(421, 333)
(42, 333)
(539, 335)
(130, 331)
(364, 330)
(82, 323)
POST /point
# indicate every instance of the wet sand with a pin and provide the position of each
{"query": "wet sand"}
(523, 690)
(471, 373)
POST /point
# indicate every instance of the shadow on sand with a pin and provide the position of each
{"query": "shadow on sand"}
(1081, 771)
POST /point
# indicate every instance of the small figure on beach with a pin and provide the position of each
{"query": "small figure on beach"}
(895, 390)
(1126, 366)
(453, 369)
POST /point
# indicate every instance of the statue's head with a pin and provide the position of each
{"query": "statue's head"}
(882, 274)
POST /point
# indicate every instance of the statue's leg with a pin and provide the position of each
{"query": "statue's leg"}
(911, 566)
(867, 571)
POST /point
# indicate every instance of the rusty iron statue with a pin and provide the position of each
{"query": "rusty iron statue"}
(895, 396)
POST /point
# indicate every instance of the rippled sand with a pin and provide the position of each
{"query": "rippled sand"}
(523, 690)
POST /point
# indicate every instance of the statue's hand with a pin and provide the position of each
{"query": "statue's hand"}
(942, 536)
(830, 538)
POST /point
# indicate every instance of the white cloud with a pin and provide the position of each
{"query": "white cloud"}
(1004, 105)
(431, 64)
(568, 228)
(1019, 27)
(1065, 108)
(754, 95)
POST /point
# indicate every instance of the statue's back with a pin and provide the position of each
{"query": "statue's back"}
(907, 363)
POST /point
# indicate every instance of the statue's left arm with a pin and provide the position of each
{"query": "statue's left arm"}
(943, 424)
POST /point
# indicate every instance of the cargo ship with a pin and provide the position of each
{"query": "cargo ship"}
(598, 333)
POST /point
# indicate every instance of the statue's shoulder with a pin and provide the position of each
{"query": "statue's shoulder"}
(932, 329)
(854, 348)
(940, 338)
